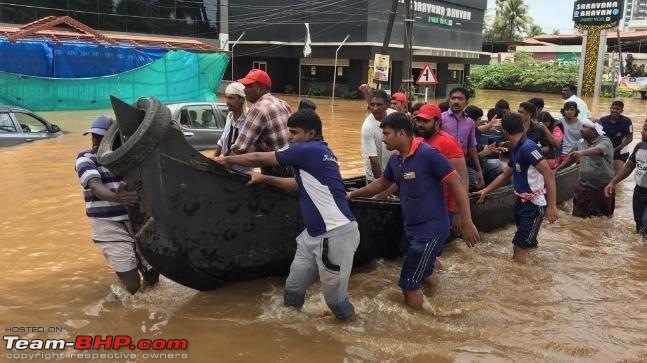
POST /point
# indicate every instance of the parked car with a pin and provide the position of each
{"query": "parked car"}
(201, 122)
(18, 125)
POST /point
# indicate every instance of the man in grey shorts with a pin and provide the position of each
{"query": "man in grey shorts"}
(327, 246)
(105, 204)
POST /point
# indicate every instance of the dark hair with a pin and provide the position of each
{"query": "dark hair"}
(546, 117)
(416, 106)
(570, 104)
(381, 94)
(571, 87)
(618, 103)
(307, 120)
(444, 106)
(512, 123)
(529, 107)
(474, 112)
(538, 102)
(398, 121)
(502, 104)
(307, 104)
(495, 112)
(462, 90)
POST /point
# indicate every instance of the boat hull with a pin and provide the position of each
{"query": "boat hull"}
(201, 226)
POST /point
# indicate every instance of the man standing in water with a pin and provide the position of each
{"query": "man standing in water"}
(457, 124)
(637, 161)
(530, 175)
(375, 155)
(621, 132)
(235, 99)
(106, 199)
(327, 246)
(265, 127)
(595, 154)
(569, 94)
(419, 170)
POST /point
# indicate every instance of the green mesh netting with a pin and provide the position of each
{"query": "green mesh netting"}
(178, 76)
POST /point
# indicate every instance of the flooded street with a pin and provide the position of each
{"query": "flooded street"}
(582, 297)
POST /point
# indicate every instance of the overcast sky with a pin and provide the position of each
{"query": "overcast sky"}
(549, 14)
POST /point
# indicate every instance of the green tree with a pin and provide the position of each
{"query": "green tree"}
(535, 30)
(516, 20)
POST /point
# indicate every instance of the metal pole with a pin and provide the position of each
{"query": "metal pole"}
(408, 37)
(232, 55)
(334, 74)
(602, 50)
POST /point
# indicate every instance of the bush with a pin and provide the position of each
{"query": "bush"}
(524, 74)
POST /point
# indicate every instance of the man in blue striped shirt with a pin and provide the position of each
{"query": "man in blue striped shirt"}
(105, 204)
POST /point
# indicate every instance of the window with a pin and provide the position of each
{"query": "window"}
(200, 117)
(260, 65)
(30, 123)
(6, 125)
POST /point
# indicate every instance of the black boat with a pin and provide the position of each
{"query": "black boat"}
(201, 226)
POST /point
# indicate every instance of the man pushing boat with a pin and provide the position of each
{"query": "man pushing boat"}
(327, 246)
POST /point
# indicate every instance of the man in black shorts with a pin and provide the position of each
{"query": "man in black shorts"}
(619, 129)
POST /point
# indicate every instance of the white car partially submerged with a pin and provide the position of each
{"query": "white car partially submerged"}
(201, 122)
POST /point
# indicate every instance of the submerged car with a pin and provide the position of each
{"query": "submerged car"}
(18, 125)
(202, 122)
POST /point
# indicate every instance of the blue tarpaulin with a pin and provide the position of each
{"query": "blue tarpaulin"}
(72, 60)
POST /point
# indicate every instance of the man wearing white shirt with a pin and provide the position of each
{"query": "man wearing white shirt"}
(374, 152)
(235, 100)
(569, 93)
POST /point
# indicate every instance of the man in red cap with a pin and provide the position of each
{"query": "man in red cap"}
(427, 125)
(265, 128)
(399, 102)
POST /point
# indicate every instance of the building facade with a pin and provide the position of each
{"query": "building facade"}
(635, 15)
(447, 35)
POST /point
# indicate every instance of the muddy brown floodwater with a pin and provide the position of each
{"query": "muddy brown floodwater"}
(581, 297)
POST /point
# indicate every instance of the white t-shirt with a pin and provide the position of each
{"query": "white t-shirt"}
(372, 144)
(581, 106)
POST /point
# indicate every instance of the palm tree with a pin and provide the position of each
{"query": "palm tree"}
(514, 13)
(535, 30)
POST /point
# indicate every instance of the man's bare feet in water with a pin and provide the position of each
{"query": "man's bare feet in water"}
(432, 280)
(519, 254)
(438, 265)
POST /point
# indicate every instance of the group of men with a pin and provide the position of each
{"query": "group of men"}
(425, 157)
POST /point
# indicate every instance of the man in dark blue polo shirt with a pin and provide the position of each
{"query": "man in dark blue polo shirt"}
(420, 175)
(619, 129)
(532, 179)
(327, 246)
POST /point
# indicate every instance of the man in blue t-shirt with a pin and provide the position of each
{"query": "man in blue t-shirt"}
(532, 178)
(420, 175)
(619, 129)
(327, 246)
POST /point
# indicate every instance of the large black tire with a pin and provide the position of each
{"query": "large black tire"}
(122, 158)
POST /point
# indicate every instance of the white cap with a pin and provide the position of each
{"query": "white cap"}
(235, 88)
(594, 125)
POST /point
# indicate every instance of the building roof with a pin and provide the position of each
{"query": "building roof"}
(65, 29)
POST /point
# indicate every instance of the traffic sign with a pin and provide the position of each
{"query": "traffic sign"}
(427, 76)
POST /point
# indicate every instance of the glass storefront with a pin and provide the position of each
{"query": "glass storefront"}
(165, 17)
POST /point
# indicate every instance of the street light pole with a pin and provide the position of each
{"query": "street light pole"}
(232, 55)
(334, 74)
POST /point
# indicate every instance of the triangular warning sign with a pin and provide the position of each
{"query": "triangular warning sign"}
(427, 76)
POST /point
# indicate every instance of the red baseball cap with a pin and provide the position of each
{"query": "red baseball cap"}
(257, 76)
(400, 97)
(428, 112)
